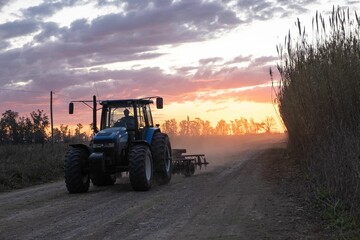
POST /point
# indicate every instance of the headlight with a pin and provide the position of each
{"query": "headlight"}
(103, 145)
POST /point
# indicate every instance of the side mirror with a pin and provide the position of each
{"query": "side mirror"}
(159, 103)
(71, 108)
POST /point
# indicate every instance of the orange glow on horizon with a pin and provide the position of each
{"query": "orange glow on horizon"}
(211, 111)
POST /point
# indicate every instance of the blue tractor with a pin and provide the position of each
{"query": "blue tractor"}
(128, 141)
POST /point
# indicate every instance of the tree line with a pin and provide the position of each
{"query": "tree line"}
(199, 127)
(18, 130)
(15, 129)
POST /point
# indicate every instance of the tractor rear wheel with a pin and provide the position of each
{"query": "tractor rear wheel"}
(162, 156)
(76, 166)
(140, 167)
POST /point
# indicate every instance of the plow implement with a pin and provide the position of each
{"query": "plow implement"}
(186, 164)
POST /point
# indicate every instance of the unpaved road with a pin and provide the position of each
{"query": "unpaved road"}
(236, 197)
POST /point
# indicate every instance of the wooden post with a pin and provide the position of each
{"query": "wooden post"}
(51, 117)
(94, 114)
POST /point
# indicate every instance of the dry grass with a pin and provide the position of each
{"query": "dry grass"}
(319, 99)
(25, 165)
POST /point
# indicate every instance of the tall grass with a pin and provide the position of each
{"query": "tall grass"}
(319, 101)
(25, 165)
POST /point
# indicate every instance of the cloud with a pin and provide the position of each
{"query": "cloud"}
(210, 60)
(239, 59)
(263, 10)
(70, 60)
(18, 28)
(42, 10)
(3, 3)
(216, 109)
(110, 38)
(49, 8)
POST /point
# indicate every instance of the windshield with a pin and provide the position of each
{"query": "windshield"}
(119, 117)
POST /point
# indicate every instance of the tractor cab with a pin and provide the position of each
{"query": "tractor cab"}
(132, 115)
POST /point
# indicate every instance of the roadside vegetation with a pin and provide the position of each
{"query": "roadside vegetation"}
(319, 99)
(26, 165)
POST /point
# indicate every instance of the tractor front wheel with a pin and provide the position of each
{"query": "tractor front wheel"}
(76, 166)
(140, 167)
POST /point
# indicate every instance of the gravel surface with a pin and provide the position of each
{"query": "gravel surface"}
(249, 191)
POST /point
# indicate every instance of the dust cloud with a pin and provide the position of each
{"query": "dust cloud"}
(219, 150)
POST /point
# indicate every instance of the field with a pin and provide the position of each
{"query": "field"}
(26, 165)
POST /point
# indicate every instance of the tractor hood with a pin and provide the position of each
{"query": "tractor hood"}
(111, 135)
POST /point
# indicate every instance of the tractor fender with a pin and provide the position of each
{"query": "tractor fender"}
(149, 133)
(82, 146)
(96, 157)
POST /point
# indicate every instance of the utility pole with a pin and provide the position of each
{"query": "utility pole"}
(51, 117)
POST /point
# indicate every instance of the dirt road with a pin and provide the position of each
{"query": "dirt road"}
(236, 197)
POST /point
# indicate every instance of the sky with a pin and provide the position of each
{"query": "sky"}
(207, 59)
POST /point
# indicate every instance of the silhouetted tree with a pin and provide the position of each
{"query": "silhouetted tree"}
(195, 127)
(65, 134)
(240, 126)
(25, 130)
(10, 126)
(269, 124)
(222, 128)
(40, 124)
(78, 135)
(184, 127)
(57, 135)
(170, 127)
(207, 129)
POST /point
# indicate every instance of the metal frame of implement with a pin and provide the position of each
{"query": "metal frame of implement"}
(186, 164)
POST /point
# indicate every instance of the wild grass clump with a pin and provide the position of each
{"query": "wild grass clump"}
(319, 101)
(26, 165)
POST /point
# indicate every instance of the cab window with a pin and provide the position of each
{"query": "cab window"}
(141, 118)
(148, 115)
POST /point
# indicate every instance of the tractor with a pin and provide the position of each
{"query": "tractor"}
(127, 141)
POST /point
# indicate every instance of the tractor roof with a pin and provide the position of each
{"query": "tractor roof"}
(126, 102)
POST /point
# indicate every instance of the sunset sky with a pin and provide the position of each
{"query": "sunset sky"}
(207, 59)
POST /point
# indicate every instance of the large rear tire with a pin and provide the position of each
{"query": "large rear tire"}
(77, 178)
(140, 167)
(162, 157)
